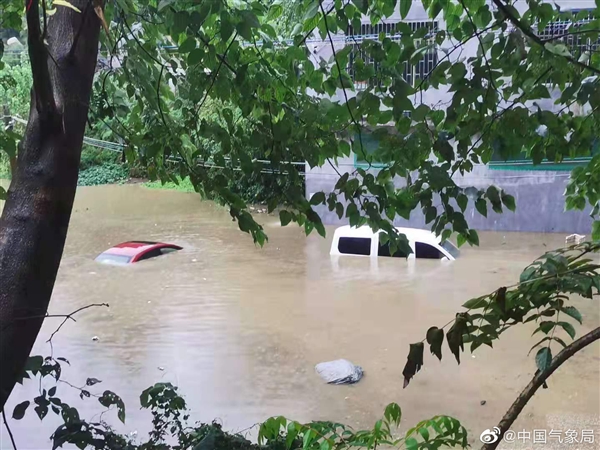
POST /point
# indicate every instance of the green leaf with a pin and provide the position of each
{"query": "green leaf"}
(164, 3)
(285, 217)
(481, 206)
(454, 336)
(393, 414)
(435, 338)
(317, 198)
(596, 230)
(52, 391)
(558, 49)
(537, 344)
(411, 444)
(414, 362)
(527, 273)
(462, 200)
(493, 194)
(20, 409)
(473, 237)
(572, 312)
(476, 303)
(250, 18)
(543, 358)
(195, 56)
(188, 45)
(509, 201)
(405, 8)
(544, 327)
(339, 210)
(568, 328)
(424, 433)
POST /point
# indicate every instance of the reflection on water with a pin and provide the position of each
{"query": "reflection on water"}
(240, 328)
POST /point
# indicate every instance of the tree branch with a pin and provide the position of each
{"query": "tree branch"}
(12, 438)
(70, 316)
(337, 63)
(535, 38)
(214, 78)
(538, 380)
(38, 55)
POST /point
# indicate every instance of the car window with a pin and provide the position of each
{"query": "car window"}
(354, 246)
(427, 251)
(451, 248)
(384, 250)
(107, 258)
(150, 254)
(165, 250)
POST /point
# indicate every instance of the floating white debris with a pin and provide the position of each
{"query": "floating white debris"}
(95, 338)
(574, 239)
(161, 368)
(340, 371)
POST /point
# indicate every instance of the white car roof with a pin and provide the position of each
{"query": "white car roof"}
(412, 234)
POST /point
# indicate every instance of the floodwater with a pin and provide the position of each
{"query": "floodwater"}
(239, 329)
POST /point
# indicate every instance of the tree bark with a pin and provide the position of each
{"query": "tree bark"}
(33, 225)
(538, 380)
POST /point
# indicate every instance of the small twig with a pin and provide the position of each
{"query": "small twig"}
(538, 380)
(214, 78)
(160, 110)
(78, 388)
(337, 63)
(140, 44)
(483, 51)
(12, 438)
(70, 316)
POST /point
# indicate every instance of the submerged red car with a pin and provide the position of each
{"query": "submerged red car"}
(134, 251)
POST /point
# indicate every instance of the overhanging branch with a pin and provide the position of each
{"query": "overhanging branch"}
(538, 380)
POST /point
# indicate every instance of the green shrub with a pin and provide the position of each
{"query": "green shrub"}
(104, 174)
(185, 185)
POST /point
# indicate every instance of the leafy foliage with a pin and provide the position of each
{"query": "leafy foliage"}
(170, 416)
(542, 296)
(103, 174)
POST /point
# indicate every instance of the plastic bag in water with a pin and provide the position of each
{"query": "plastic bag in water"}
(340, 371)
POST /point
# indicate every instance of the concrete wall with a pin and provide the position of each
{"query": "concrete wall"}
(538, 194)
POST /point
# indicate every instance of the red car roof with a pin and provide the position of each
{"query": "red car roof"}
(134, 248)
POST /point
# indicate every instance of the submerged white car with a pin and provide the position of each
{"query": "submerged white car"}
(363, 241)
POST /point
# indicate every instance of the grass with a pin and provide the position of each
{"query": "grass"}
(185, 185)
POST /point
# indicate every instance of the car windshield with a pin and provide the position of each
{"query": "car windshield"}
(107, 258)
(451, 248)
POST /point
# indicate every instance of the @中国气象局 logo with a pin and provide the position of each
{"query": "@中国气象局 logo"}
(490, 436)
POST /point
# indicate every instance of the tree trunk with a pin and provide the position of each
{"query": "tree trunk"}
(33, 225)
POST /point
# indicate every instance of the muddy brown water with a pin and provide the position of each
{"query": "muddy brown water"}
(239, 328)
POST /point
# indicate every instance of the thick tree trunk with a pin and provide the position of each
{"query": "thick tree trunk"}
(34, 223)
